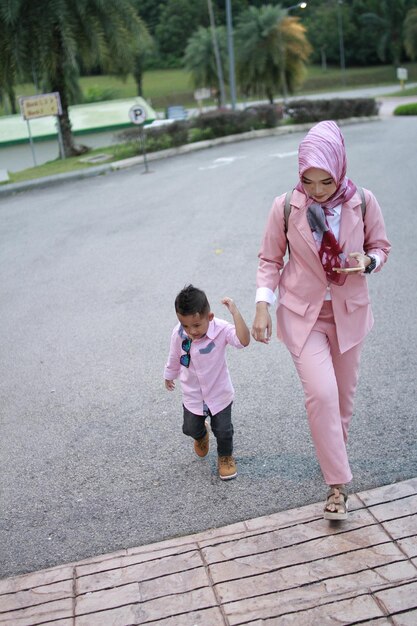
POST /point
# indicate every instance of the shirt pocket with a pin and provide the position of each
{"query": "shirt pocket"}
(294, 303)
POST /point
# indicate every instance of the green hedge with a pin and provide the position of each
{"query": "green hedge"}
(302, 111)
(222, 122)
(406, 109)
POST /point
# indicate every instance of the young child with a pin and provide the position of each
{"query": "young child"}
(197, 357)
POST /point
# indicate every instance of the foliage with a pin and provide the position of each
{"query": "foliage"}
(51, 37)
(271, 51)
(406, 109)
(410, 33)
(178, 20)
(199, 57)
(302, 111)
(229, 122)
(98, 94)
(387, 23)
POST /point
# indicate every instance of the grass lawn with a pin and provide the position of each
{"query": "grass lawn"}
(164, 87)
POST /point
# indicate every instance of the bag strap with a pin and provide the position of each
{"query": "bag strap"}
(287, 210)
(287, 206)
(363, 203)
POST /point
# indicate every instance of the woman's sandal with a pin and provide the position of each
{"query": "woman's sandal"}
(336, 506)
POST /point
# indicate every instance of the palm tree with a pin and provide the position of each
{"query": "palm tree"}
(52, 37)
(272, 51)
(410, 34)
(199, 57)
(387, 22)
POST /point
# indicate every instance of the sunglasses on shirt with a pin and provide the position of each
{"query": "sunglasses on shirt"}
(186, 358)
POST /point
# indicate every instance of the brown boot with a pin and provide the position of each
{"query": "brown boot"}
(227, 467)
(202, 445)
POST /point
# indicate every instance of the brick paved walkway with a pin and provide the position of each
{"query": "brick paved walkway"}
(287, 568)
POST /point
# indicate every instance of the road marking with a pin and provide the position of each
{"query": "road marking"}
(222, 161)
(283, 155)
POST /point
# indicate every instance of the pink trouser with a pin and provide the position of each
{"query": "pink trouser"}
(329, 380)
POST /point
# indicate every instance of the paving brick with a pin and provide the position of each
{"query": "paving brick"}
(124, 560)
(154, 610)
(395, 509)
(404, 527)
(405, 619)
(139, 572)
(177, 583)
(207, 617)
(409, 545)
(107, 599)
(31, 616)
(37, 595)
(389, 492)
(342, 612)
(296, 544)
(311, 514)
(280, 579)
(399, 598)
(36, 579)
(315, 594)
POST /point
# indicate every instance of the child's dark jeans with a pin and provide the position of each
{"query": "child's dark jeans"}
(221, 425)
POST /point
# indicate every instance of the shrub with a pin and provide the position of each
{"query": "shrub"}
(406, 109)
(199, 134)
(159, 137)
(305, 110)
(99, 94)
(227, 122)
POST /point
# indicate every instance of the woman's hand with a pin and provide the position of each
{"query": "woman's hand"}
(262, 324)
(169, 384)
(363, 261)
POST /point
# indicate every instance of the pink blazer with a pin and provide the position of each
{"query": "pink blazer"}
(302, 283)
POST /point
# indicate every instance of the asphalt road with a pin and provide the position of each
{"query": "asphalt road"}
(92, 454)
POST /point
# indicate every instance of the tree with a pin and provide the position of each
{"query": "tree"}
(272, 51)
(178, 20)
(53, 35)
(410, 34)
(387, 21)
(199, 57)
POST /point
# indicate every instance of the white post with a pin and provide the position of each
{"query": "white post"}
(31, 143)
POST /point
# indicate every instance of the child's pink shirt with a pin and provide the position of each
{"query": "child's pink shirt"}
(206, 382)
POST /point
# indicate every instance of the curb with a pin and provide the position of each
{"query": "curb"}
(99, 170)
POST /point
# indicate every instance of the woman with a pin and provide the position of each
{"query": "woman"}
(324, 310)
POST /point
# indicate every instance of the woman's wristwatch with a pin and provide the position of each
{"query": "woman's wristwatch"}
(371, 266)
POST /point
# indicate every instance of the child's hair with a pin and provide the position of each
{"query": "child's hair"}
(191, 301)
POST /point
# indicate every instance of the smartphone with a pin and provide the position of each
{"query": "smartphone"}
(347, 270)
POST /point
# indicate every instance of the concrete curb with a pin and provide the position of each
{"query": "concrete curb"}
(99, 170)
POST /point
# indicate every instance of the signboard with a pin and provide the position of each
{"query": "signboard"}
(42, 105)
(202, 94)
(402, 73)
(138, 114)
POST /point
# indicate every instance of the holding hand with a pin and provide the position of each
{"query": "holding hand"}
(262, 324)
(363, 262)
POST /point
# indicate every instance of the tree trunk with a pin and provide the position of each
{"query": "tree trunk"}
(138, 75)
(59, 85)
(270, 96)
(12, 98)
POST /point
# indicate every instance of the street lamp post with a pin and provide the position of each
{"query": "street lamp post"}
(232, 80)
(216, 53)
(299, 5)
(341, 42)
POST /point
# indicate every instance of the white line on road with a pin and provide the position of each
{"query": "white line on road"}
(282, 155)
(221, 161)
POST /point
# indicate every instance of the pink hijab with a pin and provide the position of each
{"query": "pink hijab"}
(324, 147)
